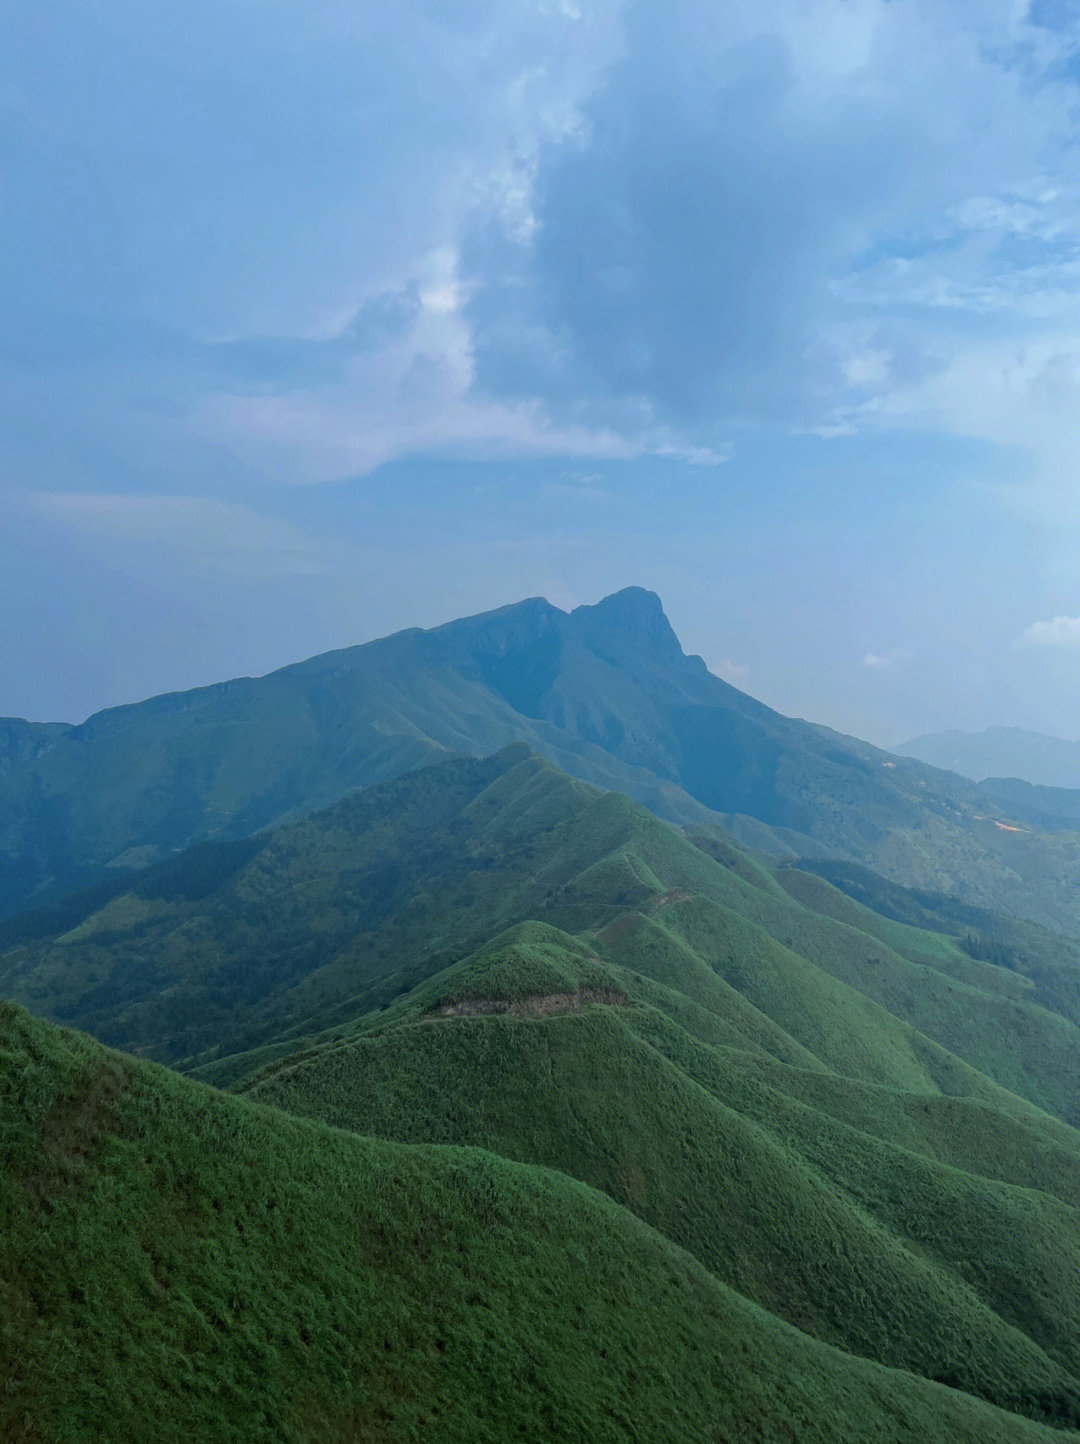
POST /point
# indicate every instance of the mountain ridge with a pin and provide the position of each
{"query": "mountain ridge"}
(497, 980)
(183, 1263)
(999, 753)
(605, 691)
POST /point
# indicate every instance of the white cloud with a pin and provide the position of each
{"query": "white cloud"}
(416, 394)
(828, 214)
(1058, 632)
(884, 661)
(1019, 393)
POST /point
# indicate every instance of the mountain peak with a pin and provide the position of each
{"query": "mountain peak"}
(633, 612)
(630, 603)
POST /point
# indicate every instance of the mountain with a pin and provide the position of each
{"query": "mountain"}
(183, 1264)
(684, 1131)
(604, 691)
(21, 741)
(1000, 752)
(862, 1130)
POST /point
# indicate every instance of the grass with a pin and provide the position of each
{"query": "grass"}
(182, 1264)
(836, 1120)
(237, 951)
(861, 1243)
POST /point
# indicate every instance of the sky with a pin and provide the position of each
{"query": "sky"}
(319, 320)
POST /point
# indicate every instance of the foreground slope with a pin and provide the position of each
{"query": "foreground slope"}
(605, 691)
(183, 1264)
(793, 1185)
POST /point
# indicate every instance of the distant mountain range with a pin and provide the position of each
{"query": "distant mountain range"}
(1000, 752)
(605, 692)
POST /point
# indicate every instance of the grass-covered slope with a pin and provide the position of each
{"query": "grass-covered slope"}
(1045, 966)
(273, 941)
(878, 1246)
(604, 691)
(843, 1116)
(182, 1264)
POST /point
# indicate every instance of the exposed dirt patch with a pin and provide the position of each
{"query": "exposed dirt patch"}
(1001, 826)
(665, 899)
(538, 1005)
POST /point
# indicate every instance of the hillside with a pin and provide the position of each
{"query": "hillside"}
(237, 947)
(604, 691)
(840, 1121)
(753, 1181)
(181, 1264)
(1000, 752)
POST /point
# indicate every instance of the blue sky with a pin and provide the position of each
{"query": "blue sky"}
(318, 321)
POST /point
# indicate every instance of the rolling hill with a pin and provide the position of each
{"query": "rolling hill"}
(233, 947)
(848, 1120)
(182, 1264)
(587, 1026)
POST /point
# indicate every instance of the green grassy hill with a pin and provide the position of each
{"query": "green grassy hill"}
(824, 1209)
(182, 1264)
(844, 1120)
(276, 940)
(1044, 964)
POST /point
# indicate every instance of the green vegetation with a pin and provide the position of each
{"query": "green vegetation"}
(551, 1065)
(180, 1264)
(1045, 963)
(276, 942)
(948, 1274)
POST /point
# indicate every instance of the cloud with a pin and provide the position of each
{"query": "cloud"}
(332, 237)
(746, 196)
(1060, 632)
(884, 661)
(415, 393)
